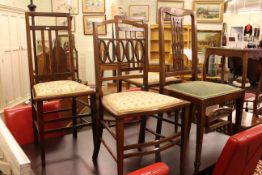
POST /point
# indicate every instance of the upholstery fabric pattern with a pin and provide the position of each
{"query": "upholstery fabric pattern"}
(258, 170)
(55, 88)
(202, 89)
(153, 79)
(137, 101)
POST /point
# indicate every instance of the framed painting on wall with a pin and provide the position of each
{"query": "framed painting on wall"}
(63, 22)
(88, 24)
(209, 11)
(63, 6)
(208, 38)
(93, 6)
(139, 11)
(169, 3)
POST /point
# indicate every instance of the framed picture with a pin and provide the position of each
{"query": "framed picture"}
(139, 11)
(169, 3)
(88, 24)
(63, 22)
(208, 38)
(65, 6)
(209, 11)
(93, 6)
(64, 40)
(237, 32)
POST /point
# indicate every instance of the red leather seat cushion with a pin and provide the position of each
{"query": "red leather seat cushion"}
(155, 169)
(19, 122)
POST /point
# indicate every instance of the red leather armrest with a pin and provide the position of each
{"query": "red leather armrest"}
(159, 168)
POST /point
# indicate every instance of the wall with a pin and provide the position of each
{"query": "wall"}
(242, 19)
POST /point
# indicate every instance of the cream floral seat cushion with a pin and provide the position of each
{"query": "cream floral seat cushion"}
(57, 89)
(137, 101)
(153, 79)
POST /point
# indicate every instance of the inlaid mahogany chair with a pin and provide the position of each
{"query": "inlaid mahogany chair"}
(201, 94)
(56, 78)
(114, 53)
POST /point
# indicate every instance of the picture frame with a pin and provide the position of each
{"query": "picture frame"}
(169, 3)
(93, 6)
(63, 22)
(139, 11)
(208, 38)
(208, 11)
(63, 7)
(237, 32)
(88, 24)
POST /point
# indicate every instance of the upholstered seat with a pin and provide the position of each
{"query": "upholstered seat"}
(202, 89)
(153, 79)
(137, 101)
(60, 88)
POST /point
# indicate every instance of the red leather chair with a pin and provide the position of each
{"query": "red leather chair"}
(241, 153)
(19, 122)
(159, 168)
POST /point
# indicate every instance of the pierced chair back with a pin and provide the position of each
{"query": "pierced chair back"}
(121, 51)
(179, 65)
(48, 60)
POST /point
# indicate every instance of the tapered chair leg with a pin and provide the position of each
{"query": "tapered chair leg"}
(98, 135)
(40, 121)
(74, 117)
(120, 146)
(34, 116)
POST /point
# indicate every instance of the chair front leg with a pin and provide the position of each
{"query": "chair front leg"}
(74, 117)
(40, 123)
(184, 137)
(120, 146)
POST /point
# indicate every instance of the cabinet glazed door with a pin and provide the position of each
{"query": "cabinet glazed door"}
(14, 84)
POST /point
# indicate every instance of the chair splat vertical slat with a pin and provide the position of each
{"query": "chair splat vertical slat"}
(50, 50)
(45, 67)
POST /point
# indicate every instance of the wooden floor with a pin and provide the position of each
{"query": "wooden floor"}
(66, 156)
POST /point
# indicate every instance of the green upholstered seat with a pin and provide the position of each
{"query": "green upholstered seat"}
(202, 89)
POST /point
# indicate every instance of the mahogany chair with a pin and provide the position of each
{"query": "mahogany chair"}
(114, 52)
(55, 78)
(201, 94)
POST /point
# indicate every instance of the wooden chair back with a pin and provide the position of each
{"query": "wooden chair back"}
(47, 59)
(175, 18)
(123, 53)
